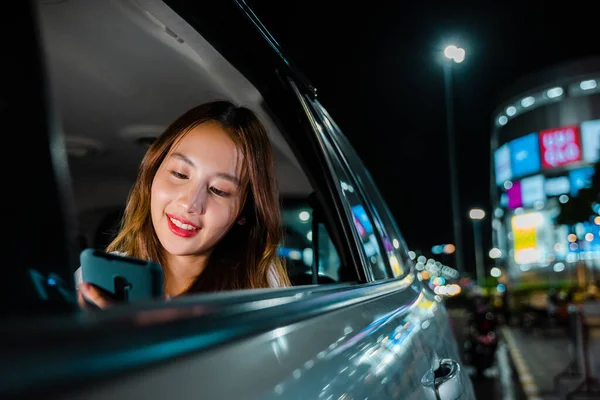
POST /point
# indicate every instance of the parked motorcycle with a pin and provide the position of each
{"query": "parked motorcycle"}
(482, 337)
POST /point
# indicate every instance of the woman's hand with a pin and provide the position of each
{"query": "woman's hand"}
(88, 293)
(99, 298)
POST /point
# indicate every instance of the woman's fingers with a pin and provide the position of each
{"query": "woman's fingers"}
(81, 301)
(95, 295)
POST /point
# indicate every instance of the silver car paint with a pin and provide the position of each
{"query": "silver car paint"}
(381, 349)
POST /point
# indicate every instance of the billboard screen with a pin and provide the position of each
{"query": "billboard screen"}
(525, 243)
(514, 195)
(502, 164)
(557, 186)
(560, 146)
(532, 190)
(580, 178)
(590, 138)
(525, 155)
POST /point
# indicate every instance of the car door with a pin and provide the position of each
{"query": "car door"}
(386, 258)
(441, 338)
(392, 240)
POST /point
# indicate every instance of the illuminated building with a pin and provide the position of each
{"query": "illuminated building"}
(545, 142)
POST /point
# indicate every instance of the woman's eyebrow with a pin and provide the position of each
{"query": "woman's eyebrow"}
(184, 159)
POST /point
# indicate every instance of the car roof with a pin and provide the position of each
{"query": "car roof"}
(120, 72)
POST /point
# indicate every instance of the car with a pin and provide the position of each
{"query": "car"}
(98, 81)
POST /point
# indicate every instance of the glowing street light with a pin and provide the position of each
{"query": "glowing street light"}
(455, 53)
(476, 213)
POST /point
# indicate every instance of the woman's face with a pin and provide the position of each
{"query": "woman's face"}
(196, 193)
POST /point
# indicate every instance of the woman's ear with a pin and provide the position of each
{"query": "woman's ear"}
(241, 220)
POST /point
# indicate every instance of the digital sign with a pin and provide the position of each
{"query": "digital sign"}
(560, 146)
(580, 178)
(525, 243)
(514, 195)
(525, 229)
(525, 155)
(502, 164)
(532, 190)
(557, 186)
(590, 138)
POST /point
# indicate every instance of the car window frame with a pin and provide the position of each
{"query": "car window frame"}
(378, 201)
(329, 160)
(333, 156)
(353, 187)
(374, 202)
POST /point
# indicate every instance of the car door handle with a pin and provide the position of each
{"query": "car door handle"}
(445, 382)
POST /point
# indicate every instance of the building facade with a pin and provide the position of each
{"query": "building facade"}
(544, 148)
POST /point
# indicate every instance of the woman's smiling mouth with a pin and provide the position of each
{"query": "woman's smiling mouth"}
(181, 227)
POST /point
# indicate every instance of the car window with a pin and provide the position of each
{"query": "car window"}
(104, 156)
(365, 229)
(301, 237)
(393, 243)
(363, 223)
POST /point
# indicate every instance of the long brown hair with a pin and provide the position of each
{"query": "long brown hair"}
(247, 256)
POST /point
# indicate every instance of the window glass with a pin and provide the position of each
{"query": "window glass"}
(393, 243)
(297, 248)
(366, 229)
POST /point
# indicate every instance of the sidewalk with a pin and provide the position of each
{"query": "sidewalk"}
(537, 359)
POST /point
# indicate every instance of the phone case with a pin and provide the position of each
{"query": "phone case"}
(127, 278)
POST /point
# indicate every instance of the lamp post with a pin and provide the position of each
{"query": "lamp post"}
(454, 55)
(476, 215)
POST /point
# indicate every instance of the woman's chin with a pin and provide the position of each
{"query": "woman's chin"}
(180, 250)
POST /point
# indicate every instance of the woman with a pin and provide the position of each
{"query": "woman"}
(205, 206)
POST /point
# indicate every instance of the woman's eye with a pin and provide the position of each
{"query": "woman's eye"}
(179, 175)
(219, 192)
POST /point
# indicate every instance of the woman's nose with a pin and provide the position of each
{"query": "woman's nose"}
(195, 200)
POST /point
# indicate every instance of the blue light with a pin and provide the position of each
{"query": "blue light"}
(580, 178)
(285, 251)
(525, 155)
(361, 215)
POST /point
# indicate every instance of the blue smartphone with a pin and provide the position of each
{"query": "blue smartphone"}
(125, 278)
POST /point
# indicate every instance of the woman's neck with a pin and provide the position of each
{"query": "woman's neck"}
(181, 271)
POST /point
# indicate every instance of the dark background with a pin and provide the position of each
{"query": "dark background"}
(377, 67)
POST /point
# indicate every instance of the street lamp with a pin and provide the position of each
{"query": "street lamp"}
(476, 215)
(455, 55)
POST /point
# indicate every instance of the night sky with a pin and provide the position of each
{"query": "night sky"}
(377, 70)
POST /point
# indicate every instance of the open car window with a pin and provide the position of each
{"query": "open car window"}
(119, 81)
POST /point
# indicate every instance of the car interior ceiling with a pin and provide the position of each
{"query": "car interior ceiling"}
(119, 76)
